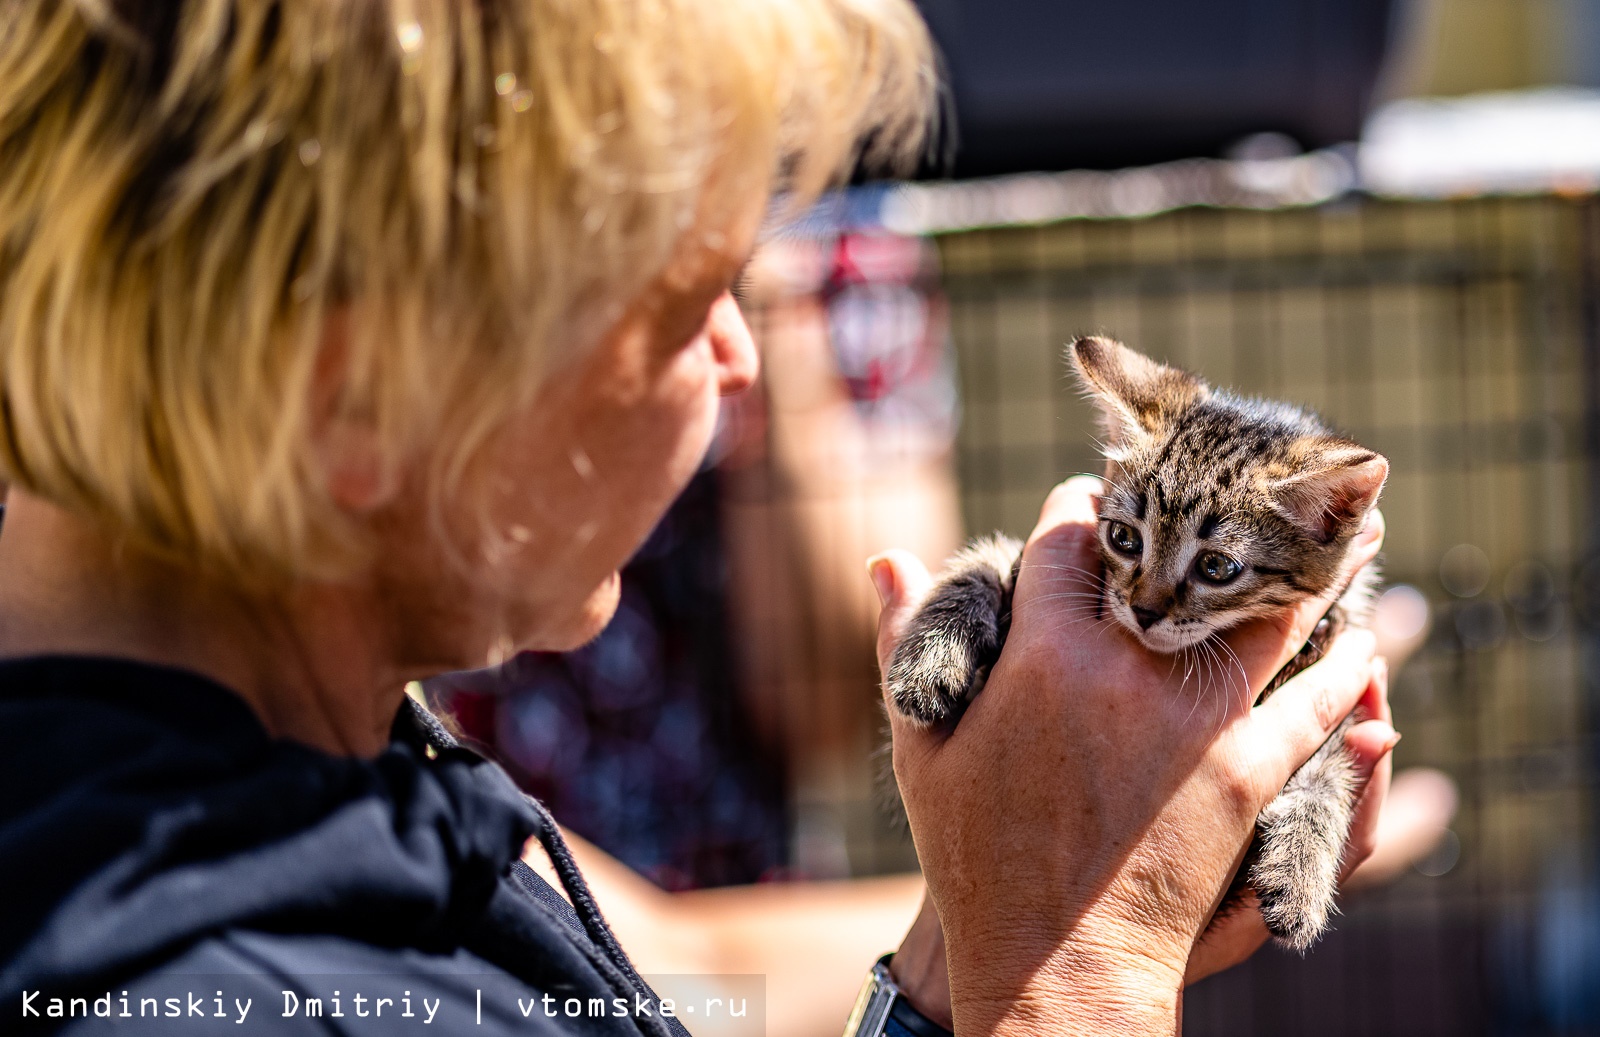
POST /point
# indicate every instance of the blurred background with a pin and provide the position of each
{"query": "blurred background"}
(1384, 209)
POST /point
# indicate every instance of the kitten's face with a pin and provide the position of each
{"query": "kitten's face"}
(1185, 558)
(1217, 509)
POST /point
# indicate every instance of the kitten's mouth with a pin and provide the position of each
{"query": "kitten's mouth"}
(1163, 636)
(1168, 642)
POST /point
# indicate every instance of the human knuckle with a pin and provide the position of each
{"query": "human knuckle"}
(1241, 786)
(1244, 796)
(1299, 626)
(1239, 782)
(1325, 706)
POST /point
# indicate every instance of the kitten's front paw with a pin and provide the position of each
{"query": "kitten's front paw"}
(932, 675)
(955, 637)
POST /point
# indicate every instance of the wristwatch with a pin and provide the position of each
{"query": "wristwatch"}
(882, 1010)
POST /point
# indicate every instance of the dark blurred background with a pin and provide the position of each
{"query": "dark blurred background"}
(1042, 84)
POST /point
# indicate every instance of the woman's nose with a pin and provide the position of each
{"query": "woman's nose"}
(732, 345)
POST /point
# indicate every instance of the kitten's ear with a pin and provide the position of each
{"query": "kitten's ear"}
(1136, 396)
(1332, 496)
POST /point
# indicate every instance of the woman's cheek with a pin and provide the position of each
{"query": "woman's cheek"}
(690, 423)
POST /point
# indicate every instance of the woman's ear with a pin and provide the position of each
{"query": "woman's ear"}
(359, 473)
(1136, 396)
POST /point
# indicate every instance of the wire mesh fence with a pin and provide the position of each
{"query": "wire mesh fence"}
(1459, 338)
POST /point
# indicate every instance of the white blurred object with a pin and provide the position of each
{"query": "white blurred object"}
(1403, 612)
(1035, 198)
(1518, 142)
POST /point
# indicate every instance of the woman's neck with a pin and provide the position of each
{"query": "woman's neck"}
(315, 667)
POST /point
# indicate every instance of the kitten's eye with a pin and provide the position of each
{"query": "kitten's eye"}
(1125, 539)
(1215, 567)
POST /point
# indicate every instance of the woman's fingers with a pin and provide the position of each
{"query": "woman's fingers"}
(1300, 715)
(1369, 744)
(1265, 646)
(1061, 545)
(1060, 559)
(902, 581)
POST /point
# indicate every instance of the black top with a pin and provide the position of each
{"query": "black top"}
(157, 843)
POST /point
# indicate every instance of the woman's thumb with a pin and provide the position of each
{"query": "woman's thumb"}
(902, 581)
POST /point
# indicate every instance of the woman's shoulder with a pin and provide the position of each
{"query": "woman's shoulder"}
(156, 834)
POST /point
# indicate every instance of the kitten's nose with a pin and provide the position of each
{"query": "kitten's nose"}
(1147, 617)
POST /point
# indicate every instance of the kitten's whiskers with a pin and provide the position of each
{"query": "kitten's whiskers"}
(1077, 570)
(1223, 646)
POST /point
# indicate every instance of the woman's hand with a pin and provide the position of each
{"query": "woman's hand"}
(1080, 825)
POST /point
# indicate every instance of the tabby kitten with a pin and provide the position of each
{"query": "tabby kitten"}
(1217, 509)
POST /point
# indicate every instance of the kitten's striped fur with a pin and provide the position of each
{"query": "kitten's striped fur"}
(1198, 481)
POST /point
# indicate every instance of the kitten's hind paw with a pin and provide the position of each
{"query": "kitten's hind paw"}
(1295, 918)
(1296, 870)
(1299, 840)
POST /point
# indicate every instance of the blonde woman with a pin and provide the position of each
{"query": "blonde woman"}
(346, 342)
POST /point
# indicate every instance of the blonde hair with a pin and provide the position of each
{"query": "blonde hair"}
(188, 190)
